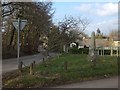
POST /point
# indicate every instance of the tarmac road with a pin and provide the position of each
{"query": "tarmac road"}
(12, 64)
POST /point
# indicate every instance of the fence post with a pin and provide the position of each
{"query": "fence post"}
(43, 59)
(65, 65)
(31, 69)
(34, 64)
(20, 67)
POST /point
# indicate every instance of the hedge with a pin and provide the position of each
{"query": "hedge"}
(75, 50)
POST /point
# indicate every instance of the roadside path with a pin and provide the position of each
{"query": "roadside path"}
(101, 83)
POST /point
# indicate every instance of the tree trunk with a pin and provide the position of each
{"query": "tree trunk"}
(11, 38)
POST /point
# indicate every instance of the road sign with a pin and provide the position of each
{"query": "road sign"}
(19, 25)
(22, 24)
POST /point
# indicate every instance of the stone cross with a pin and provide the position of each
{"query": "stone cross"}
(93, 53)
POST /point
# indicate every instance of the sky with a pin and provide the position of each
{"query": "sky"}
(101, 14)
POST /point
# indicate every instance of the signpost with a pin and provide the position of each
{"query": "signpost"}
(19, 25)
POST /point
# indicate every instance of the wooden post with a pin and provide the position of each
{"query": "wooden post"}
(20, 67)
(43, 59)
(33, 64)
(31, 69)
(65, 65)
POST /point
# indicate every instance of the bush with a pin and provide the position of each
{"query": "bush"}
(75, 50)
(85, 50)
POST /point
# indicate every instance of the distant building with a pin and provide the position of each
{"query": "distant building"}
(104, 44)
(115, 42)
(99, 42)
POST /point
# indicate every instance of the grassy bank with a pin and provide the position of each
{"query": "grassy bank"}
(52, 72)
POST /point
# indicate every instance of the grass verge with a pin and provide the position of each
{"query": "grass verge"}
(52, 72)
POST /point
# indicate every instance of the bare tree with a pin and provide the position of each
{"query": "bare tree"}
(70, 29)
(83, 23)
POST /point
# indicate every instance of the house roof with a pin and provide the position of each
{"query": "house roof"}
(99, 42)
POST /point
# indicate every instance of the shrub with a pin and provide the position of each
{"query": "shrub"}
(85, 50)
(75, 50)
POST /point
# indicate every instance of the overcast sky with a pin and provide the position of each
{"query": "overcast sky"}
(103, 15)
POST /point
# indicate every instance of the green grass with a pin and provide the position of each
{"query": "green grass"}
(51, 72)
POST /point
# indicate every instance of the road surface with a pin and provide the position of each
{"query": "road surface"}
(101, 83)
(12, 64)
